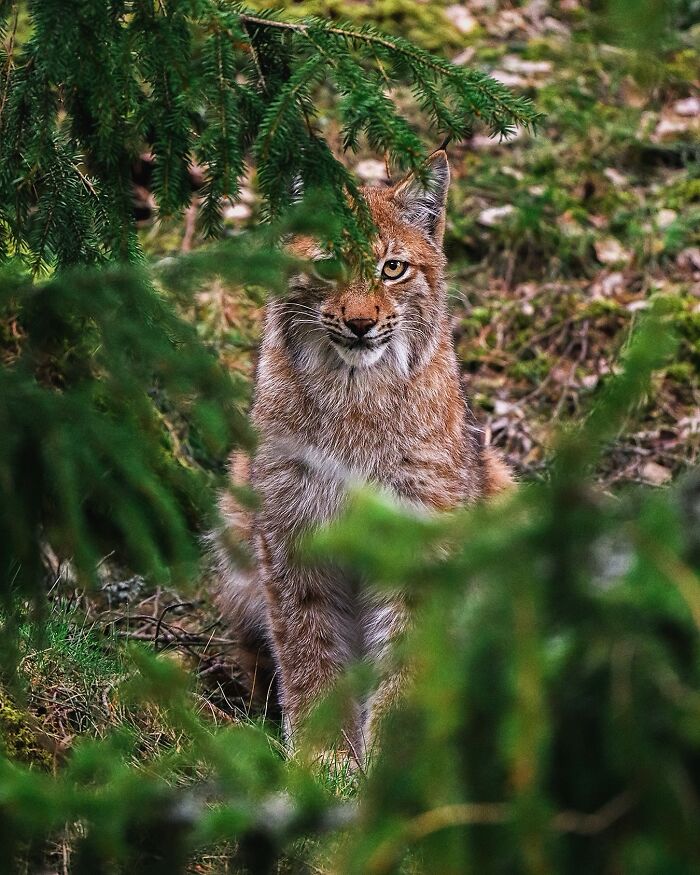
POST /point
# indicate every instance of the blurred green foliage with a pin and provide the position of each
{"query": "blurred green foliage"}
(552, 721)
(648, 25)
(551, 725)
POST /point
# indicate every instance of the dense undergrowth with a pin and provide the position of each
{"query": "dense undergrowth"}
(553, 725)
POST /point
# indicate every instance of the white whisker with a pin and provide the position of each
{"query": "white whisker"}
(294, 305)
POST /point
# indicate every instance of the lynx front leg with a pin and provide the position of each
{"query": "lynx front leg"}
(384, 623)
(313, 630)
(312, 610)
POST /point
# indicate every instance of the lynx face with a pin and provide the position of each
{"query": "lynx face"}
(393, 320)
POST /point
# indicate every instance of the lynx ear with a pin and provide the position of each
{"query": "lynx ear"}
(424, 205)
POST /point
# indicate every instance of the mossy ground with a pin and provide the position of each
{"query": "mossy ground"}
(20, 735)
(557, 244)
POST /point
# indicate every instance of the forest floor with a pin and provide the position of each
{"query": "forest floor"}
(558, 243)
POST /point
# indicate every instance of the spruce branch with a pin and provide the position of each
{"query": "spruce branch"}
(7, 71)
(516, 109)
(211, 82)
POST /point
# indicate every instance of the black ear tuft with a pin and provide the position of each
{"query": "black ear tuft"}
(424, 205)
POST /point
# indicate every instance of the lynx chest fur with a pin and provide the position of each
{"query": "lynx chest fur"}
(357, 382)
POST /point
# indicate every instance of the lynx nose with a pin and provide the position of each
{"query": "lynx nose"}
(360, 327)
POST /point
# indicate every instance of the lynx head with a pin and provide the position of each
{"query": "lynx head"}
(395, 319)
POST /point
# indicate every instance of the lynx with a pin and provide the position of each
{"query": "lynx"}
(357, 380)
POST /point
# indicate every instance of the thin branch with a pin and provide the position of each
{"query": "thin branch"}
(256, 59)
(582, 824)
(91, 188)
(9, 65)
(487, 814)
(408, 51)
(165, 610)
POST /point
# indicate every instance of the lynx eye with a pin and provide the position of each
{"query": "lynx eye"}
(393, 269)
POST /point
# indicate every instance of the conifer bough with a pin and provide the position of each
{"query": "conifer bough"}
(84, 90)
(112, 413)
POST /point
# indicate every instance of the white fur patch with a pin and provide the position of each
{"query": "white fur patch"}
(402, 352)
(359, 358)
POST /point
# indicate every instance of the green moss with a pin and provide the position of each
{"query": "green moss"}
(489, 54)
(533, 369)
(681, 372)
(19, 739)
(604, 307)
(683, 192)
(683, 67)
(422, 23)
(685, 231)
(481, 315)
